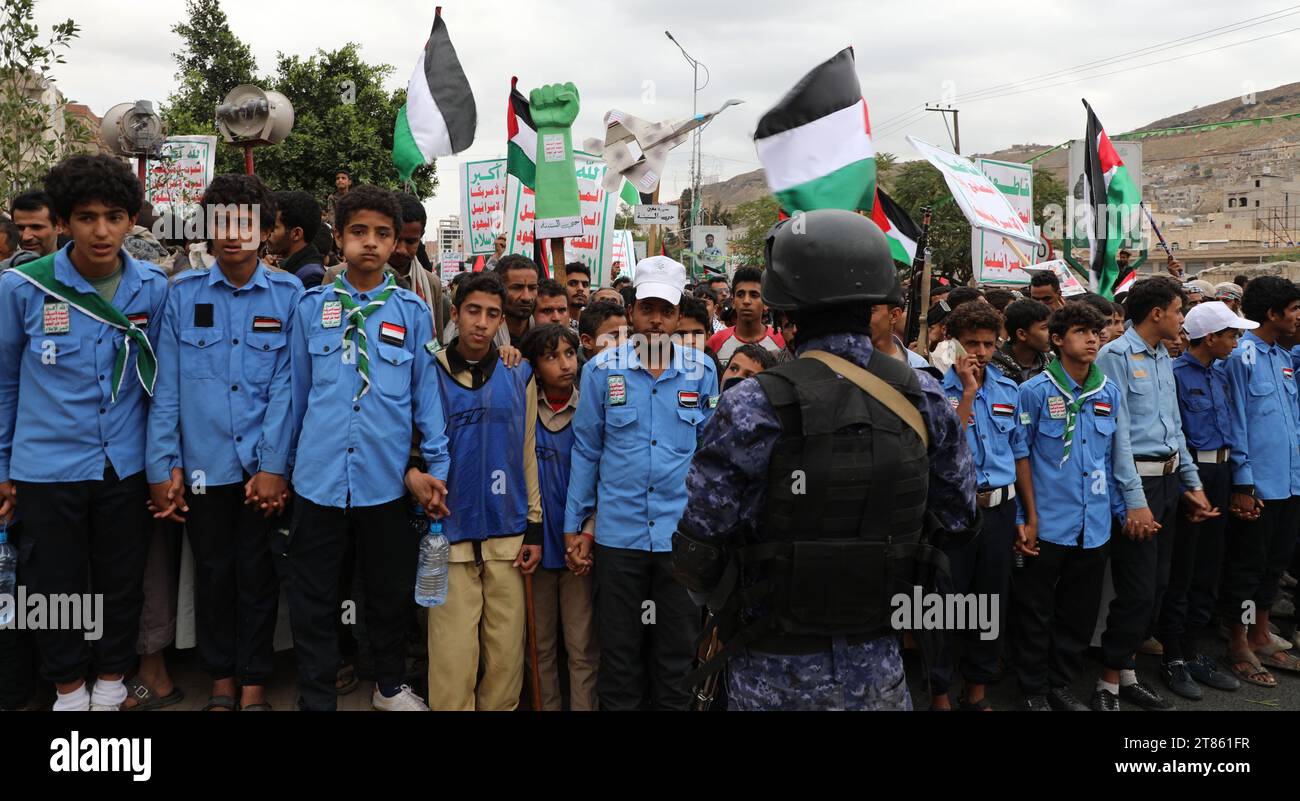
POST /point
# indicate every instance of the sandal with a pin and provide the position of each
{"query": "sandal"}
(260, 707)
(1247, 668)
(220, 702)
(1278, 658)
(981, 705)
(146, 698)
(346, 680)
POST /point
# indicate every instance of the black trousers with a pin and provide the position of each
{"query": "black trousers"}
(625, 580)
(1194, 570)
(1139, 570)
(388, 550)
(81, 537)
(1256, 554)
(982, 566)
(237, 588)
(1054, 609)
(19, 663)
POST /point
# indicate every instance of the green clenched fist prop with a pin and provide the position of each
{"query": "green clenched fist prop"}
(554, 108)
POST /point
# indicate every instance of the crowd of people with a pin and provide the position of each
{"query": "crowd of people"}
(301, 407)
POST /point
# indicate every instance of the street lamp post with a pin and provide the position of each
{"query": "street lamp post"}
(695, 141)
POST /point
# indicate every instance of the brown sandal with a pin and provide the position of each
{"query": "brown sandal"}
(1247, 668)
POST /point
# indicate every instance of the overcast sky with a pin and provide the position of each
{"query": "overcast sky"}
(908, 53)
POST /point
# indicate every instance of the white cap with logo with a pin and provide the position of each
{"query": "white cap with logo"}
(660, 277)
(1212, 317)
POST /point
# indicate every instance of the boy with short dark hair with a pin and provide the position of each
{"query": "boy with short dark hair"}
(552, 303)
(577, 280)
(747, 300)
(603, 325)
(746, 362)
(222, 328)
(362, 362)
(495, 520)
(561, 591)
(1068, 412)
(1028, 348)
(77, 334)
(693, 324)
(297, 219)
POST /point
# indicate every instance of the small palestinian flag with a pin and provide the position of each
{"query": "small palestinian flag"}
(1110, 197)
(899, 229)
(521, 136)
(815, 144)
(440, 116)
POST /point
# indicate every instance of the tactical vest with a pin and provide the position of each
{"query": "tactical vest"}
(843, 527)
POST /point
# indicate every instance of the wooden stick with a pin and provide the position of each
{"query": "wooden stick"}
(923, 334)
(532, 627)
(652, 241)
(557, 261)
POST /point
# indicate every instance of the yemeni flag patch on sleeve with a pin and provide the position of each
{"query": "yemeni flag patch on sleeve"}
(392, 333)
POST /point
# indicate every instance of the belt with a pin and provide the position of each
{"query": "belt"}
(1212, 457)
(1156, 466)
(994, 497)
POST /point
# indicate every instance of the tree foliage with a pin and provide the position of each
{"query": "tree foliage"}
(918, 184)
(753, 218)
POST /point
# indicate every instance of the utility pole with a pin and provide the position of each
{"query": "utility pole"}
(693, 217)
(955, 134)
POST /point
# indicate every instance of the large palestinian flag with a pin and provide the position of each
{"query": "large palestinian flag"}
(521, 138)
(898, 227)
(815, 144)
(439, 117)
(1111, 198)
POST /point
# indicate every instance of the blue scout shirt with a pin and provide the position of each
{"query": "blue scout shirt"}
(1265, 419)
(1204, 402)
(1148, 421)
(1075, 501)
(214, 336)
(354, 453)
(57, 419)
(995, 428)
(634, 436)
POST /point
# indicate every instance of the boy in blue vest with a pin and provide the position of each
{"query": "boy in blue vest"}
(362, 367)
(495, 522)
(220, 422)
(560, 594)
(76, 367)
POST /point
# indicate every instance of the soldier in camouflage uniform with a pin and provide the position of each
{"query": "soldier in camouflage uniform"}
(821, 640)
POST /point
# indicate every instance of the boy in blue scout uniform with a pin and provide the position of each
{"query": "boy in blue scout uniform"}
(987, 404)
(1154, 472)
(362, 380)
(1265, 442)
(76, 366)
(495, 524)
(562, 596)
(640, 409)
(220, 421)
(1205, 404)
(1068, 412)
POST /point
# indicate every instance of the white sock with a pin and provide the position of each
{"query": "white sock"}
(76, 701)
(1127, 678)
(1102, 684)
(108, 693)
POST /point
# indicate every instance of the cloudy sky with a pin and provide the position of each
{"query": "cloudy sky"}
(908, 53)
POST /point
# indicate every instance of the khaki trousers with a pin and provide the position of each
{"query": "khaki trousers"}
(559, 596)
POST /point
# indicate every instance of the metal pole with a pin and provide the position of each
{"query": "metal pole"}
(956, 133)
(248, 159)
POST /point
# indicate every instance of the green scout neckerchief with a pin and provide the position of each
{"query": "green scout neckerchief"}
(356, 328)
(1091, 386)
(41, 274)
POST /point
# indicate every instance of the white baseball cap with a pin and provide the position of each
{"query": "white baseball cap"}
(1212, 317)
(660, 277)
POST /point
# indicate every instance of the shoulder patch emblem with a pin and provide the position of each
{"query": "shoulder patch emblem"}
(433, 346)
(1024, 418)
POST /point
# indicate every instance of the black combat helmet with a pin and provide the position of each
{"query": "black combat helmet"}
(827, 256)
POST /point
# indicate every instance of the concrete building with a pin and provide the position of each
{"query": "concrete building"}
(450, 238)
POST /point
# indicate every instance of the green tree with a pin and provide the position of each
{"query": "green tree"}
(753, 218)
(918, 184)
(1049, 199)
(29, 146)
(342, 115)
(885, 170)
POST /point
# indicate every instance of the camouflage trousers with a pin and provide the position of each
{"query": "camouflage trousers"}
(864, 677)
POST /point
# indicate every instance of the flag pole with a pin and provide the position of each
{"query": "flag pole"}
(916, 311)
(1156, 228)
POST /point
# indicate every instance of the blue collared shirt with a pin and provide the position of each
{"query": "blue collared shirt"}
(58, 421)
(1075, 500)
(728, 478)
(1265, 418)
(354, 453)
(1149, 424)
(1204, 402)
(214, 337)
(634, 436)
(995, 427)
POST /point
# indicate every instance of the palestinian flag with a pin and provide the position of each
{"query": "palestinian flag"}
(1111, 198)
(815, 144)
(439, 117)
(899, 229)
(521, 136)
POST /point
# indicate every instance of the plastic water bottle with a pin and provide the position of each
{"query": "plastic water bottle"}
(9, 578)
(431, 575)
